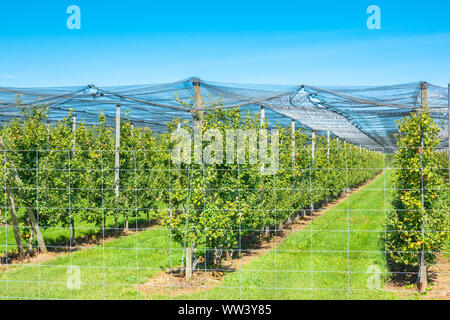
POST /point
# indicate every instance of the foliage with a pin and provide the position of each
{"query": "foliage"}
(69, 176)
(419, 220)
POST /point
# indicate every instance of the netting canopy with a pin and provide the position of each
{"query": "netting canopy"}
(364, 115)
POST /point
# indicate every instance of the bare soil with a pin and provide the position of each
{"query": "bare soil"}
(438, 283)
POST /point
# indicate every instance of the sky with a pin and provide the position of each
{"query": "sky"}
(321, 42)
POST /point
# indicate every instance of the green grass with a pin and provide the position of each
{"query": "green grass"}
(322, 261)
(59, 234)
(314, 263)
(112, 271)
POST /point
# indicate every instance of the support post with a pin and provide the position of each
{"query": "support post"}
(424, 94)
(116, 162)
(261, 125)
(293, 141)
(328, 144)
(188, 263)
(422, 276)
(198, 98)
(48, 132)
(313, 145)
(263, 116)
(74, 130)
(448, 149)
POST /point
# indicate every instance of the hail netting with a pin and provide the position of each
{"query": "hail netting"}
(363, 115)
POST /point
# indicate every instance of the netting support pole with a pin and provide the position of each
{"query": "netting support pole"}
(313, 145)
(263, 116)
(448, 126)
(424, 94)
(423, 268)
(293, 142)
(198, 98)
(74, 130)
(448, 149)
(328, 144)
(116, 162)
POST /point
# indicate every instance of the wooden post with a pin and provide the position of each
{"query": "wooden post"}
(313, 145)
(117, 161)
(424, 94)
(198, 98)
(328, 144)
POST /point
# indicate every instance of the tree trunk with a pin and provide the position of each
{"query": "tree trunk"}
(228, 255)
(148, 218)
(15, 223)
(126, 223)
(35, 226)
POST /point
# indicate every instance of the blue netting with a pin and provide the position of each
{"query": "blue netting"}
(363, 115)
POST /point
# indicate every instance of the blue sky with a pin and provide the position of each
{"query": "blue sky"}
(320, 42)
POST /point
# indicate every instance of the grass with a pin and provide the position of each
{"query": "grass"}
(112, 271)
(329, 259)
(59, 234)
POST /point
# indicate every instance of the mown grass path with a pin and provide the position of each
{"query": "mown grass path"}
(329, 259)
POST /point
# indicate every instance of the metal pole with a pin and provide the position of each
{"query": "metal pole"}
(263, 116)
(448, 149)
(261, 125)
(328, 144)
(74, 130)
(313, 145)
(117, 159)
(422, 269)
(293, 141)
